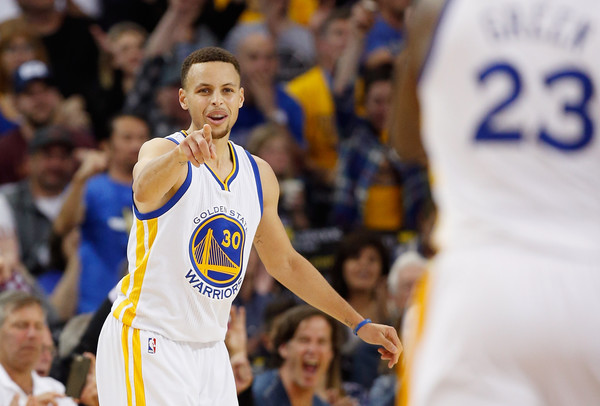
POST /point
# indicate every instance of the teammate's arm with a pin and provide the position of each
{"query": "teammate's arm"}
(162, 167)
(404, 124)
(301, 277)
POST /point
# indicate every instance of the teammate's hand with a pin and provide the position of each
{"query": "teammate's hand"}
(385, 336)
(198, 146)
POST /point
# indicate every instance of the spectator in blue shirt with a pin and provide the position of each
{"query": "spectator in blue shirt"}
(99, 201)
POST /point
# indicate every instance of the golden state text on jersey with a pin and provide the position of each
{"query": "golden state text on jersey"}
(216, 252)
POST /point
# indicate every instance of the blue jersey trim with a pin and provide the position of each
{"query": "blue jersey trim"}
(162, 210)
(433, 41)
(173, 139)
(258, 181)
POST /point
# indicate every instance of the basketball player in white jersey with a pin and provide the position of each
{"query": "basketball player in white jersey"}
(503, 95)
(200, 203)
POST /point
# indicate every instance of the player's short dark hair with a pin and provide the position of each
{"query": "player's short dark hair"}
(208, 54)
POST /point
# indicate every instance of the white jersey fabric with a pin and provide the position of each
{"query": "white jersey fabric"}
(187, 259)
(510, 118)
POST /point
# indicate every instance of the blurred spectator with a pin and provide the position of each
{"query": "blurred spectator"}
(386, 39)
(47, 353)
(65, 36)
(273, 143)
(22, 325)
(314, 90)
(145, 13)
(17, 46)
(359, 275)
(99, 200)
(294, 43)
(264, 99)
(121, 57)
(368, 187)
(305, 341)
(236, 342)
(148, 13)
(155, 95)
(13, 275)
(405, 272)
(36, 201)
(9, 243)
(39, 104)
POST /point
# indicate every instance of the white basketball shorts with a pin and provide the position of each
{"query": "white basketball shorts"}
(138, 367)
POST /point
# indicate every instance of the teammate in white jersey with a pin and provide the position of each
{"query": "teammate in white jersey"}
(200, 202)
(503, 95)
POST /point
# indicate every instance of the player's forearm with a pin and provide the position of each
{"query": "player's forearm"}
(302, 278)
(159, 176)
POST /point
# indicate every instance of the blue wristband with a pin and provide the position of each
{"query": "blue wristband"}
(362, 323)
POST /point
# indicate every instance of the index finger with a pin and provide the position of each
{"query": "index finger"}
(207, 131)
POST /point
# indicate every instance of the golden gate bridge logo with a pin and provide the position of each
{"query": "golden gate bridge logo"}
(216, 250)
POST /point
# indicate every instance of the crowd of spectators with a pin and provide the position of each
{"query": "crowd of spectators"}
(83, 83)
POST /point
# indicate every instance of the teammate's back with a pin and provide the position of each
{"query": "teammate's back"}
(510, 115)
(505, 96)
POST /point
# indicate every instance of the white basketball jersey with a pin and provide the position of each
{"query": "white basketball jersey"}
(510, 122)
(187, 259)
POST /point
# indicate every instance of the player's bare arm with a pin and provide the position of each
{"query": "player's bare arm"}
(404, 125)
(301, 277)
(162, 167)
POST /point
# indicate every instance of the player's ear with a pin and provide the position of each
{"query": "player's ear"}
(183, 99)
(241, 97)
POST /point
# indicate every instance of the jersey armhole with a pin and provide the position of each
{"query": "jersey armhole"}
(170, 203)
(258, 181)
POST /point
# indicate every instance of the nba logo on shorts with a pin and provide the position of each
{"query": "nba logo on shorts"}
(151, 345)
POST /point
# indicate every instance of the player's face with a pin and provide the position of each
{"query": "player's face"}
(213, 96)
(363, 271)
(308, 354)
(21, 337)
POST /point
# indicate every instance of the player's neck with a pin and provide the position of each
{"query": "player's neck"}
(223, 153)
